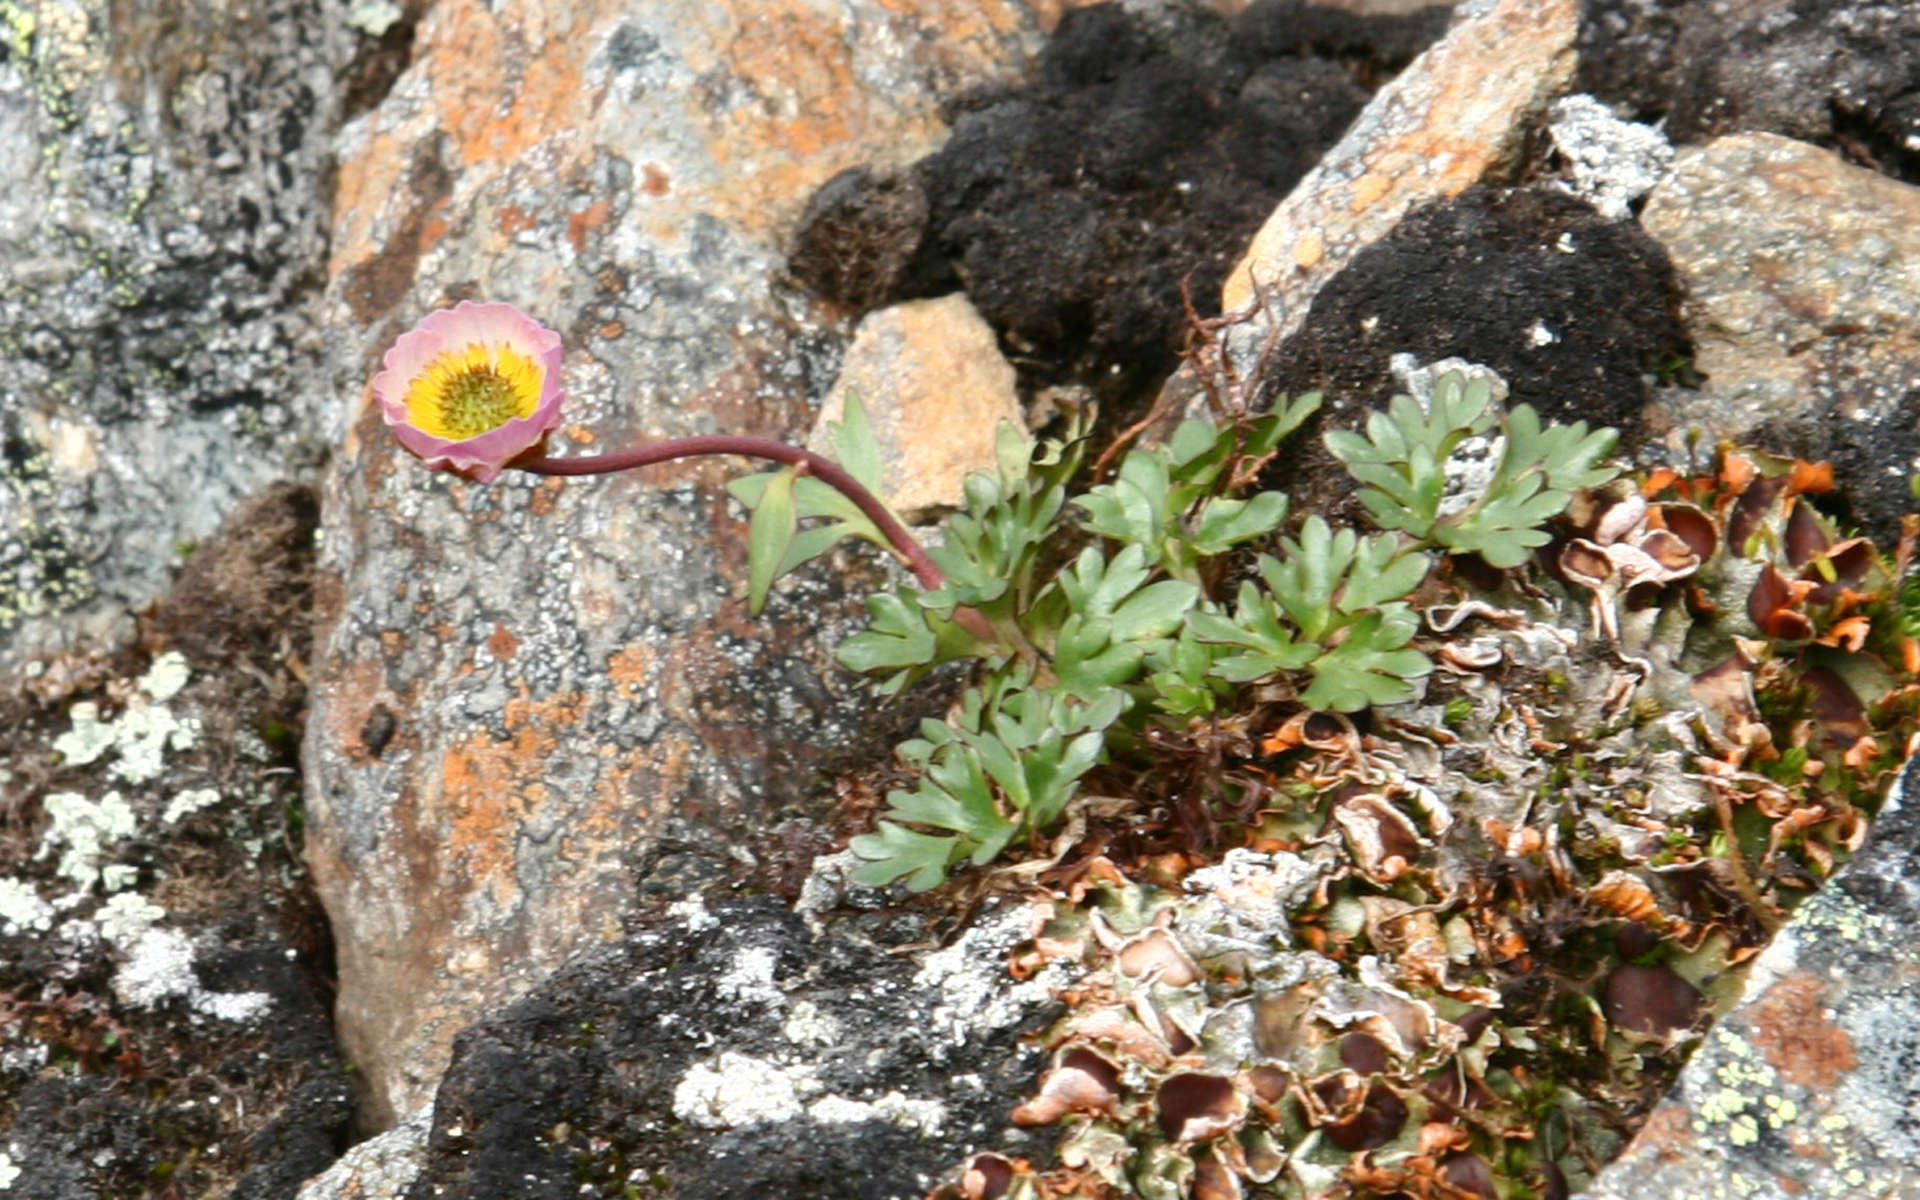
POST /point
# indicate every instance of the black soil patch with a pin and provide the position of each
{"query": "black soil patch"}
(1144, 154)
(1844, 74)
(179, 1097)
(1873, 460)
(1574, 311)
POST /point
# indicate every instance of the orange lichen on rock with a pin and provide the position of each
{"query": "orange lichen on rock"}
(1791, 1028)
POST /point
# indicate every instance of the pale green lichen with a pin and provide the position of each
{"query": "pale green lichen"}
(123, 918)
(1840, 914)
(374, 17)
(22, 908)
(1743, 1130)
(164, 679)
(1781, 1111)
(86, 828)
(186, 803)
(142, 734)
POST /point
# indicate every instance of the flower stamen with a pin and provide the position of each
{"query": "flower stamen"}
(469, 391)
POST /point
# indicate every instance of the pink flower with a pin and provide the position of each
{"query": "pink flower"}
(472, 387)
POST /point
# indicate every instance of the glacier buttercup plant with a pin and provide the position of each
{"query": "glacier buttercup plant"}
(1096, 623)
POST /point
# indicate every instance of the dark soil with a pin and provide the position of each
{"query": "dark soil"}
(1141, 157)
(1487, 277)
(1871, 459)
(100, 1098)
(1844, 74)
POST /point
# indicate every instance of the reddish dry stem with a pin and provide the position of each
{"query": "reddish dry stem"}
(824, 469)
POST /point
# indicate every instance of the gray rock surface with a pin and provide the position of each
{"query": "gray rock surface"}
(532, 698)
(1808, 1087)
(164, 999)
(1802, 274)
(381, 1168)
(164, 202)
(1610, 163)
(721, 1052)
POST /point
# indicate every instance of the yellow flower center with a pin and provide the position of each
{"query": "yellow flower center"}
(466, 392)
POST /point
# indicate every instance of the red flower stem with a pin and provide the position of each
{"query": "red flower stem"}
(824, 469)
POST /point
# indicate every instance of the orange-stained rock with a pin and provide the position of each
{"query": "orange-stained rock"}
(535, 704)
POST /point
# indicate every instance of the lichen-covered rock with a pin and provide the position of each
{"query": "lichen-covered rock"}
(935, 389)
(721, 1051)
(1439, 127)
(381, 1168)
(163, 205)
(1807, 1088)
(535, 696)
(1610, 163)
(1802, 275)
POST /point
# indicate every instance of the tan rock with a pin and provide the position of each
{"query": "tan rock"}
(935, 387)
(1451, 118)
(1802, 274)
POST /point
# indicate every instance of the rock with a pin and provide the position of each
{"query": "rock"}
(162, 234)
(935, 388)
(1443, 124)
(722, 1051)
(380, 1168)
(536, 700)
(1803, 302)
(1611, 163)
(1840, 73)
(1807, 1087)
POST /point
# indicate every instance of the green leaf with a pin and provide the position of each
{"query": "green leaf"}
(1012, 451)
(1121, 511)
(1225, 522)
(1305, 579)
(897, 638)
(1179, 677)
(769, 534)
(893, 851)
(1193, 439)
(1154, 611)
(1088, 662)
(1266, 647)
(1370, 666)
(747, 489)
(1095, 587)
(1381, 573)
(809, 544)
(854, 446)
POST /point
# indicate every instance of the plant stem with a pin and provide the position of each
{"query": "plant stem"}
(825, 470)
